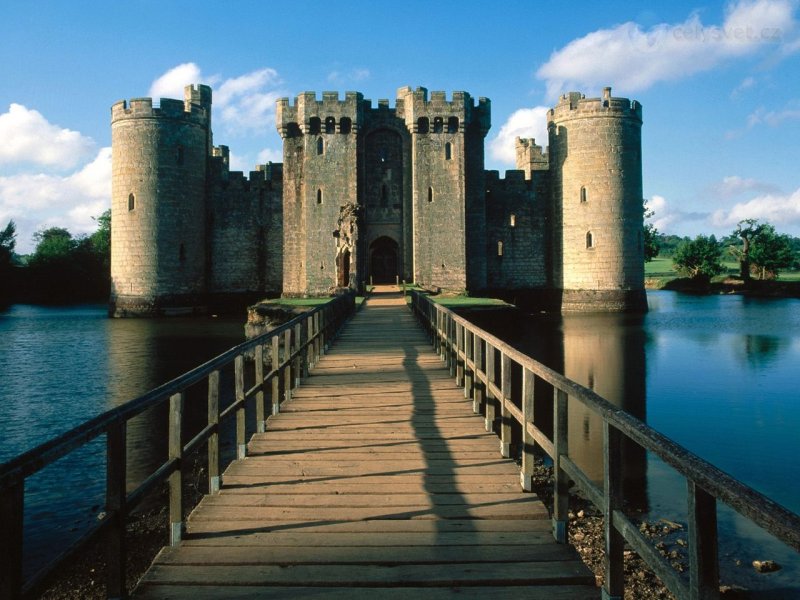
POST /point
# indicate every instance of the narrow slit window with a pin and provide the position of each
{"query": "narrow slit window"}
(513, 221)
(430, 194)
(448, 151)
(320, 146)
(131, 202)
(179, 155)
(319, 196)
(384, 196)
(583, 194)
(182, 254)
(499, 248)
(589, 240)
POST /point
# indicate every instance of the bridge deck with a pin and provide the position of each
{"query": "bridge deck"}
(376, 480)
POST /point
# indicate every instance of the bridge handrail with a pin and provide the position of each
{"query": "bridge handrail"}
(470, 353)
(305, 338)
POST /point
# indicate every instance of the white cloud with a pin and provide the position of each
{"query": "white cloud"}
(30, 138)
(744, 85)
(269, 155)
(781, 210)
(670, 220)
(525, 123)
(353, 75)
(634, 59)
(36, 201)
(774, 118)
(734, 185)
(171, 83)
(240, 104)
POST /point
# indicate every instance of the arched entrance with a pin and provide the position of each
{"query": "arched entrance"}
(343, 269)
(383, 263)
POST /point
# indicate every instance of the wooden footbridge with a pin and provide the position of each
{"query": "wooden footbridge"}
(374, 480)
(387, 474)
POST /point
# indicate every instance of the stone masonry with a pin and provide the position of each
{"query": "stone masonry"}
(376, 194)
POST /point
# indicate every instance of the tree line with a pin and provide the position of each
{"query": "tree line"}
(762, 252)
(62, 268)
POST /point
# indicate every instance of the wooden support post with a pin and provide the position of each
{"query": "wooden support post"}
(469, 373)
(298, 361)
(176, 478)
(560, 449)
(528, 443)
(213, 439)
(261, 418)
(12, 508)
(276, 377)
(314, 335)
(488, 422)
(323, 334)
(241, 442)
(614, 584)
(287, 369)
(477, 390)
(116, 509)
(505, 415)
(703, 560)
(459, 366)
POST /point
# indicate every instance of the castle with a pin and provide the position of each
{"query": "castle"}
(377, 194)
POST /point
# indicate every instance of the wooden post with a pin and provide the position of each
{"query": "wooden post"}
(213, 439)
(323, 334)
(459, 366)
(276, 377)
(528, 443)
(287, 369)
(505, 415)
(477, 390)
(12, 508)
(488, 422)
(176, 478)
(241, 442)
(259, 365)
(703, 561)
(469, 373)
(116, 509)
(614, 584)
(298, 361)
(560, 450)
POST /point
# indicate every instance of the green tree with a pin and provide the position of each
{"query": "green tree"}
(54, 246)
(746, 230)
(770, 252)
(651, 245)
(8, 241)
(101, 240)
(699, 258)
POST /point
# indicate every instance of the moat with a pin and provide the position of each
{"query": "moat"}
(715, 373)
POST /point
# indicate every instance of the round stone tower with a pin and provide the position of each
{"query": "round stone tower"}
(158, 204)
(596, 174)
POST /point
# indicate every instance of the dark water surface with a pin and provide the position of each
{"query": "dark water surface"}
(718, 374)
(60, 366)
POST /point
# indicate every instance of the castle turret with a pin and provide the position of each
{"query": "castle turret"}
(158, 203)
(596, 173)
(448, 186)
(320, 181)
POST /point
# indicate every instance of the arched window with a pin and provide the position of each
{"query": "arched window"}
(320, 146)
(131, 202)
(452, 125)
(384, 196)
(314, 125)
(589, 240)
(499, 248)
(345, 125)
(319, 196)
(438, 125)
(430, 194)
(422, 125)
(583, 194)
(293, 130)
(513, 221)
(448, 151)
(330, 125)
(179, 155)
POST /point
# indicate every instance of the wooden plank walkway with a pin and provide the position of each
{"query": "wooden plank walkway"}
(376, 481)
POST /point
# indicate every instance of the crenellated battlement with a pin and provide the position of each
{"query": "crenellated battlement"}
(577, 105)
(142, 108)
(330, 112)
(422, 113)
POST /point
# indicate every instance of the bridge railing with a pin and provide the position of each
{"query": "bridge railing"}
(294, 347)
(482, 363)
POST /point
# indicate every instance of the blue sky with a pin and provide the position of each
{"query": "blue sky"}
(719, 82)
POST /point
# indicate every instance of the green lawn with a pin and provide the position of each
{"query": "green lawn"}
(660, 268)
